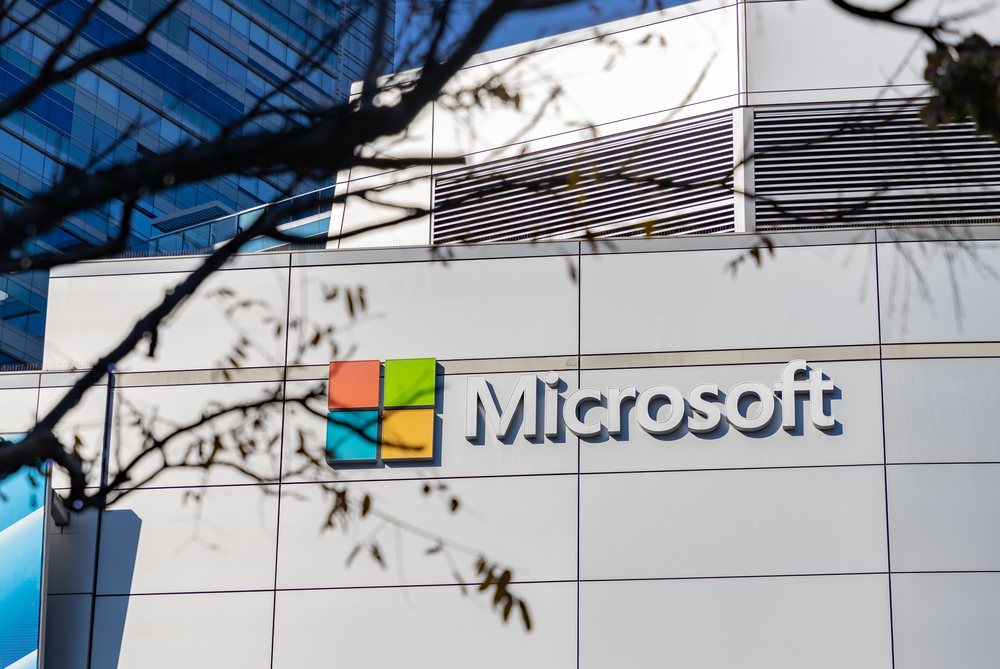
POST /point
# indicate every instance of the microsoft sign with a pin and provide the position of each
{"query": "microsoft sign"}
(707, 411)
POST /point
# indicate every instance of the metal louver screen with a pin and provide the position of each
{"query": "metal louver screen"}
(189, 217)
(843, 167)
(664, 180)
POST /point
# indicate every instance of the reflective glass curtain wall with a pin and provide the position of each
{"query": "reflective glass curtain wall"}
(210, 61)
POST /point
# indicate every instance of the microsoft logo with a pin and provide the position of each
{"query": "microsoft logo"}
(375, 416)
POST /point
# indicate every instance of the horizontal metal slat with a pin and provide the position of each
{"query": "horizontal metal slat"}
(662, 180)
(838, 166)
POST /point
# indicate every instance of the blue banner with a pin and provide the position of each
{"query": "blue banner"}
(22, 535)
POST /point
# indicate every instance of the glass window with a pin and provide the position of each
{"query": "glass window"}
(222, 11)
(49, 168)
(217, 58)
(199, 46)
(237, 72)
(10, 146)
(255, 84)
(88, 81)
(276, 48)
(177, 30)
(108, 92)
(129, 106)
(141, 225)
(187, 196)
(258, 36)
(170, 132)
(82, 131)
(36, 325)
(241, 24)
(155, 68)
(32, 159)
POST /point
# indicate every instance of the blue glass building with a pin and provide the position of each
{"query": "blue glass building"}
(207, 64)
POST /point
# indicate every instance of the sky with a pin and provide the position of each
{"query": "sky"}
(525, 26)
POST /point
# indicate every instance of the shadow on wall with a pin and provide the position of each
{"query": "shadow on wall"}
(119, 530)
(72, 569)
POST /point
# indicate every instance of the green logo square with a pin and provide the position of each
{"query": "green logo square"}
(409, 383)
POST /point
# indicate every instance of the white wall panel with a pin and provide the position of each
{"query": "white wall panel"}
(855, 439)
(401, 188)
(684, 301)
(786, 50)
(944, 517)
(939, 291)
(200, 631)
(182, 405)
(413, 142)
(189, 539)
(11, 380)
(732, 523)
(86, 421)
(945, 620)
(386, 198)
(843, 96)
(528, 523)
(936, 410)
(688, 60)
(822, 622)
(19, 408)
(430, 626)
(88, 316)
(447, 310)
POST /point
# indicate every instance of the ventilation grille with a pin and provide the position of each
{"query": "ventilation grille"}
(666, 180)
(188, 217)
(845, 167)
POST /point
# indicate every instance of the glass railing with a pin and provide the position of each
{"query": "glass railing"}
(206, 236)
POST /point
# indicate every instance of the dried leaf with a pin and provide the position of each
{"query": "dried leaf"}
(524, 615)
(502, 583)
(377, 556)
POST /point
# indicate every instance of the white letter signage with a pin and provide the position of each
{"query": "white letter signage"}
(478, 392)
(702, 409)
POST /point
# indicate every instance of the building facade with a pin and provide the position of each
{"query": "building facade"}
(856, 527)
(681, 455)
(208, 64)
